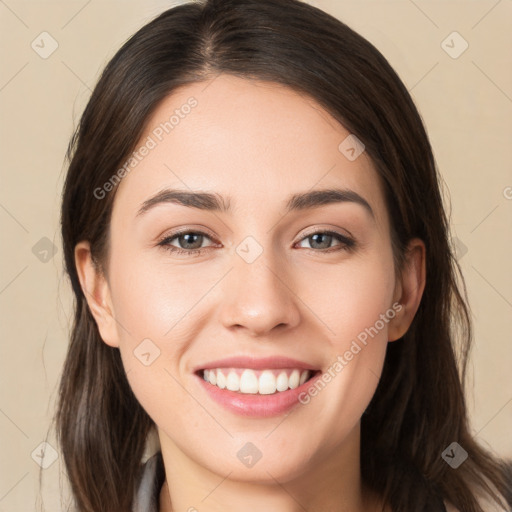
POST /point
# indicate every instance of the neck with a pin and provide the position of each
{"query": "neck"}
(330, 481)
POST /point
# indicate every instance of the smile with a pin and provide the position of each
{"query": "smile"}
(252, 402)
(262, 382)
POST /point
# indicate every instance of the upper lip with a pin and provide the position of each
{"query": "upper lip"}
(275, 362)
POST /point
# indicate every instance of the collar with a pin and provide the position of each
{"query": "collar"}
(146, 498)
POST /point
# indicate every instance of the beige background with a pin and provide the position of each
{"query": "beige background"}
(466, 103)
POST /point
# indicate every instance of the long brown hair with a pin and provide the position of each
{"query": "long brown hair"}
(419, 407)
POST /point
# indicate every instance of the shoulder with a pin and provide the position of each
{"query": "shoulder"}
(486, 503)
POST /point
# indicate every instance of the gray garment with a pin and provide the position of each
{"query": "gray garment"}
(146, 497)
(152, 477)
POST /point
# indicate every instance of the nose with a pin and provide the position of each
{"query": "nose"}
(258, 297)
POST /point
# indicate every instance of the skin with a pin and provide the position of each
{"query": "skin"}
(256, 142)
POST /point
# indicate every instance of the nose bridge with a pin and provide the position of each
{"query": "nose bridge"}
(257, 294)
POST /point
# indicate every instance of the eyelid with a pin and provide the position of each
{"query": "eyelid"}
(204, 231)
(188, 229)
(346, 243)
(323, 229)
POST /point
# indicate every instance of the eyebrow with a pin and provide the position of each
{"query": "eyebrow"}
(215, 202)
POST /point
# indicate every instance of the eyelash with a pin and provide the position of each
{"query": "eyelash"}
(347, 244)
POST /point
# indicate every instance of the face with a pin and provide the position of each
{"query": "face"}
(189, 286)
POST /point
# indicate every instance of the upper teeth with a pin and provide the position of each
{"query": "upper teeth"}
(263, 382)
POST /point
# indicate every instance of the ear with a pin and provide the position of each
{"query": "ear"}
(97, 293)
(409, 289)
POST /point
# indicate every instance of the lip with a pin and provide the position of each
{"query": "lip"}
(252, 363)
(255, 405)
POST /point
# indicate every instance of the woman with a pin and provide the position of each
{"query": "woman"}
(299, 355)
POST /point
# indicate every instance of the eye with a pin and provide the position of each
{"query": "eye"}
(322, 240)
(191, 242)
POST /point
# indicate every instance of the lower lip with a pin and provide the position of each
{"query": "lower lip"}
(256, 405)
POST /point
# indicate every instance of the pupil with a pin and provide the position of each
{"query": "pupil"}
(190, 235)
(320, 235)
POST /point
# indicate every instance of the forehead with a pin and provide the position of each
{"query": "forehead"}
(252, 141)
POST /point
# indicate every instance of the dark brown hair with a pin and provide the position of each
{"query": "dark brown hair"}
(419, 406)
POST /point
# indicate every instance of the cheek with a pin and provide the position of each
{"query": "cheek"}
(157, 300)
(159, 313)
(349, 298)
(154, 331)
(353, 300)
(163, 301)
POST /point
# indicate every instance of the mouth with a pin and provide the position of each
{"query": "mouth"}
(256, 387)
(248, 381)
(262, 393)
